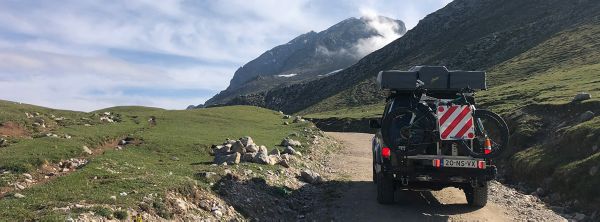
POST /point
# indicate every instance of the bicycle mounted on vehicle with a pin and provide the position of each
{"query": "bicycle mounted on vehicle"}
(432, 136)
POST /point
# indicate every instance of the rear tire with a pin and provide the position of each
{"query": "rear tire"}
(385, 189)
(477, 196)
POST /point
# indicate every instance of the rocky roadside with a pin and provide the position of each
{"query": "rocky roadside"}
(521, 207)
(290, 186)
(536, 204)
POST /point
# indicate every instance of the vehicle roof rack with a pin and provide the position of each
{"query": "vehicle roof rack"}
(435, 78)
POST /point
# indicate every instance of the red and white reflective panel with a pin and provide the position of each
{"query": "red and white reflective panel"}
(455, 122)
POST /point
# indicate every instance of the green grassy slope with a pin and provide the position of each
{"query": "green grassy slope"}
(170, 154)
(550, 73)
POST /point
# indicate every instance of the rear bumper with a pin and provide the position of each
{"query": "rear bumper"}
(420, 172)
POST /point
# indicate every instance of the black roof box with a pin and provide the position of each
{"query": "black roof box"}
(435, 78)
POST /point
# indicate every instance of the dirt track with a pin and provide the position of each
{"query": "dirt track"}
(358, 202)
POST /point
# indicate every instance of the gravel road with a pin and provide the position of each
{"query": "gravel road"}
(358, 203)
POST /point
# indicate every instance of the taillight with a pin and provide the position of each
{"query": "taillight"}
(481, 164)
(437, 163)
(487, 146)
(386, 152)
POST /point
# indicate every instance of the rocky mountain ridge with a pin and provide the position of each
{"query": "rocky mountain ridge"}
(312, 56)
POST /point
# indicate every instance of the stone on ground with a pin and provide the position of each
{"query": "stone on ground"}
(228, 159)
(289, 150)
(290, 142)
(87, 150)
(247, 140)
(581, 97)
(238, 147)
(311, 177)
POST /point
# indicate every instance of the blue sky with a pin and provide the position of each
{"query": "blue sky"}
(86, 55)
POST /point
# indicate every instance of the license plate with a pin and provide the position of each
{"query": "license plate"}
(460, 163)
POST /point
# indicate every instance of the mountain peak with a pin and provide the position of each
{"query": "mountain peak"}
(313, 55)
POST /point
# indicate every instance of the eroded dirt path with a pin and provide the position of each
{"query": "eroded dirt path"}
(358, 202)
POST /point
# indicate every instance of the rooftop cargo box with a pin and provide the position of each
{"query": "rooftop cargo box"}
(464, 79)
(397, 80)
(435, 78)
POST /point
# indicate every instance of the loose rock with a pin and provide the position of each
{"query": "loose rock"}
(28, 176)
(263, 149)
(246, 140)
(19, 186)
(273, 159)
(311, 177)
(285, 163)
(208, 174)
(217, 213)
(261, 158)
(228, 159)
(248, 157)
(87, 150)
(275, 152)
(290, 142)
(289, 150)
(229, 141)
(18, 195)
(221, 150)
(252, 148)
(581, 97)
(238, 147)
(587, 115)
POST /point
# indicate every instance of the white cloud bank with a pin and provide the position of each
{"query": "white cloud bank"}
(387, 29)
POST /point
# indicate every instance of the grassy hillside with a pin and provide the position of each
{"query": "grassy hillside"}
(165, 156)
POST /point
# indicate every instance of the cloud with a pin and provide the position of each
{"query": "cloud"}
(86, 55)
(388, 31)
(90, 83)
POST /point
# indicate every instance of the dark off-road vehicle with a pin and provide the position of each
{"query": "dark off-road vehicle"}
(431, 135)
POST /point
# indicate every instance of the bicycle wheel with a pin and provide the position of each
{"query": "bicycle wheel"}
(409, 130)
(488, 127)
